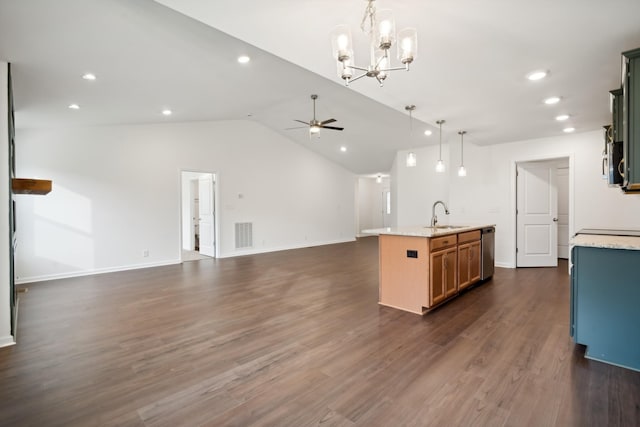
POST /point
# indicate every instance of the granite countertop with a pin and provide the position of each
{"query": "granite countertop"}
(426, 231)
(608, 242)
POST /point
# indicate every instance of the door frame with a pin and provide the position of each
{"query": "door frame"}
(514, 200)
(216, 214)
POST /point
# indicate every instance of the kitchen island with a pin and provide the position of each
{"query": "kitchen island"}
(605, 297)
(422, 267)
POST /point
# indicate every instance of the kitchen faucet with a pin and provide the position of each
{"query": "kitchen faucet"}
(434, 218)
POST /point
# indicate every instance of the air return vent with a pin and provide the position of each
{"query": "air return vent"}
(244, 235)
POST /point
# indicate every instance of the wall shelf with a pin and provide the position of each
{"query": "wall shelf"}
(30, 186)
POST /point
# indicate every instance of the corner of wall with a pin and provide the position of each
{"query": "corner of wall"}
(5, 199)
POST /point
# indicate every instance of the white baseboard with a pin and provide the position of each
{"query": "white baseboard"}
(42, 278)
(366, 235)
(252, 251)
(7, 341)
(504, 265)
(32, 279)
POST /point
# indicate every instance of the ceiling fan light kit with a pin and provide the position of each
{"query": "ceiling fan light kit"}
(381, 29)
(316, 125)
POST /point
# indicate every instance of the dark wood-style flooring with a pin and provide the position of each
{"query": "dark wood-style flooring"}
(296, 338)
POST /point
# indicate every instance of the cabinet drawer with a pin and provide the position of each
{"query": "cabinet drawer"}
(443, 242)
(469, 236)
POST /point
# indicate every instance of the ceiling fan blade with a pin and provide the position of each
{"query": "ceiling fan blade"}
(326, 122)
(300, 121)
(297, 127)
(331, 127)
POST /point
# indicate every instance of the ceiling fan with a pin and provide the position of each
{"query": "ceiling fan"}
(315, 125)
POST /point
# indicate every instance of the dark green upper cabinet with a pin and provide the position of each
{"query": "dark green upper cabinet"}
(631, 119)
(617, 97)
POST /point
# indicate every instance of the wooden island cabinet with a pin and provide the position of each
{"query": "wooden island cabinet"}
(421, 268)
(469, 261)
(442, 266)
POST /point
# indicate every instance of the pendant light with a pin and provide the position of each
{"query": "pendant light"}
(411, 160)
(461, 170)
(440, 165)
(411, 156)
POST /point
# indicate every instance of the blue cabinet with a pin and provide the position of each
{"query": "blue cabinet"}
(605, 304)
(631, 119)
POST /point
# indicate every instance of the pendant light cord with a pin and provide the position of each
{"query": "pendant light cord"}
(462, 148)
(440, 122)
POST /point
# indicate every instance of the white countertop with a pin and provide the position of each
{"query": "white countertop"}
(425, 231)
(608, 242)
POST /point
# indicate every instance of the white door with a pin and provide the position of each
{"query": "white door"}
(386, 208)
(563, 212)
(206, 215)
(537, 210)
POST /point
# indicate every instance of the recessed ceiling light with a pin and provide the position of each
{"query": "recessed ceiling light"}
(243, 59)
(552, 100)
(428, 132)
(343, 149)
(562, 117)
(167, 112)
(89, 76)
(74, 106)
(568, 130)
(537, 75)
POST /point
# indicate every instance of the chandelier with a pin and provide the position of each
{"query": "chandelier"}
(381, 29)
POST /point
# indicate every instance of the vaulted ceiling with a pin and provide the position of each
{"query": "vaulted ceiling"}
(181, 54)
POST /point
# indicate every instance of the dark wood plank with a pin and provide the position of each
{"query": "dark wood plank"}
(297, 338)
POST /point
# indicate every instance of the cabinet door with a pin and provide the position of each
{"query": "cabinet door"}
(474, 262)
(450, 272)
(437, 280)
(464, 279)
(444, 278)
(574, 290)
(631, 120)
(468, 264)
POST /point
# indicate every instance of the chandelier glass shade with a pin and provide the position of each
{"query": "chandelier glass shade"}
(380, 26)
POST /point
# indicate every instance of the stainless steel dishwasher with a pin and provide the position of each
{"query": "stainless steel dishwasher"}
(488, 240)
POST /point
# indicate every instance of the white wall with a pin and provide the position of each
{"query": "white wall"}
(370, 202)
(116, 192)
(5, 198)
(487, 194)
(418, 187)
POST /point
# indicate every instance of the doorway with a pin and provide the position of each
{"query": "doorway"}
(542, 212)
(198, 215)
(373, 203)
